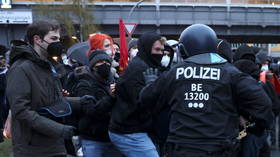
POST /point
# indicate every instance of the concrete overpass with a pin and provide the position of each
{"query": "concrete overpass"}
(237, 23)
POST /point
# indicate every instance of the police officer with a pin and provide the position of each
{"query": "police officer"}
(206, 95)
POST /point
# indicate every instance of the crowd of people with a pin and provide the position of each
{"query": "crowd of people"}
(195, 97)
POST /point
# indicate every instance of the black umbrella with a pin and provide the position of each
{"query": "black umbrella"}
(78, 52)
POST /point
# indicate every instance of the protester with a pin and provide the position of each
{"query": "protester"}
(95, 120)
(256, 143)
(77, 61)
(130, 122)
(173, 44)
(132, 48)
(103, 42)
(33, 86)
(244, 52)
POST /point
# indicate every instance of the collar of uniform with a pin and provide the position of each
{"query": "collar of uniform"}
(206, 58)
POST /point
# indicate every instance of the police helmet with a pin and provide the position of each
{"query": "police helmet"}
(197, 39)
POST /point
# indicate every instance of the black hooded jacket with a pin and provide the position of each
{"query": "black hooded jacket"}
(128, 114)
(145, 44)
(244, 52)
(31, 84)
(253, 70)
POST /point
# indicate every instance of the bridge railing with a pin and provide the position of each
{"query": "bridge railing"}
(267, 2)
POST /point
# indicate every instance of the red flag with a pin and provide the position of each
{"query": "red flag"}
(123, 47)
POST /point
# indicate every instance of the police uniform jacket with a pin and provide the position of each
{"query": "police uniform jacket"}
(206, 95)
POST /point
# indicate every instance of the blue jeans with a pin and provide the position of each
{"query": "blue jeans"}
(99, 149)
(134, 145)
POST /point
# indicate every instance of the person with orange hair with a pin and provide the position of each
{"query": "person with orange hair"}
(104, 42)
(101, 42)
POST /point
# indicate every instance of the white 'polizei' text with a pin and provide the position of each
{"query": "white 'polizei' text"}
(198, 73)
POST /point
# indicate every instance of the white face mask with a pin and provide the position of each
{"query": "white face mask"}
(165, 61)
(109, 52)
(115, 64)
(175, 57)
(65, 60)
(264, 67)
(133, 53)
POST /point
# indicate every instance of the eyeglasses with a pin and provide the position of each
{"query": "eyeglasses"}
(159, 49)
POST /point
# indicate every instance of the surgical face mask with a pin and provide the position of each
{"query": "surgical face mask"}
(115, 64)
(109, 52)
(165, 61)
(264, 67)
(65, 60)
(133, 53)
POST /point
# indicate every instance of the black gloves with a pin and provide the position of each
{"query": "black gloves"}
(150, 75)
(88, 99)
(68, 132)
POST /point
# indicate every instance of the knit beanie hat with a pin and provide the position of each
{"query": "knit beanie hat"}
(132, 43)
(98, 55)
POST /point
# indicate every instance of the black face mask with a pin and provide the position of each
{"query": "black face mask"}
(55, 49)
(157, 58)
(103, 71)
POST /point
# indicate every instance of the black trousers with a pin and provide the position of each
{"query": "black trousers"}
(178, 151)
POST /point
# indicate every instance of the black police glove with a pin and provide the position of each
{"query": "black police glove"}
(68, 132)
(150, 75)
(88, 99)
